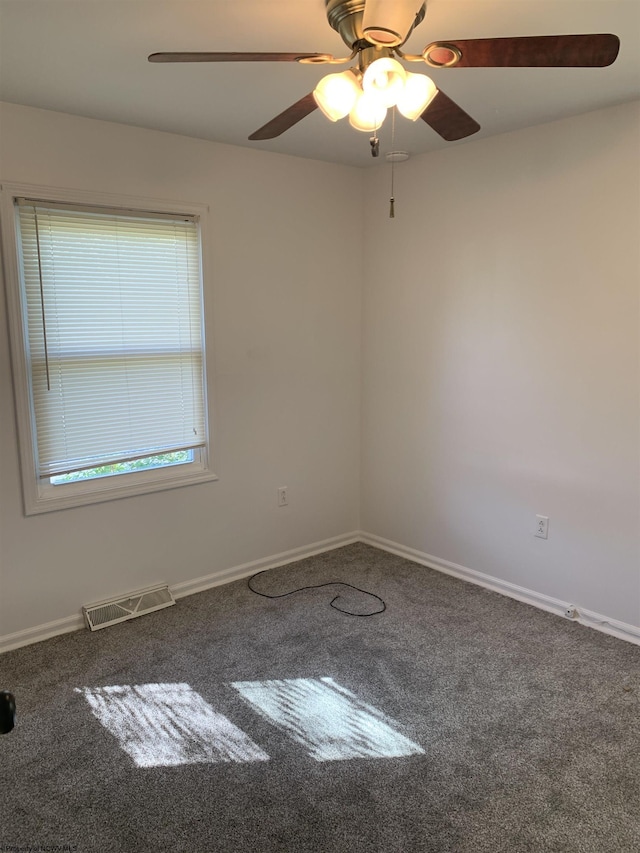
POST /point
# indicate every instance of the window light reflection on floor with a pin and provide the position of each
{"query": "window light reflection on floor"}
(164, 725)
(330, 721)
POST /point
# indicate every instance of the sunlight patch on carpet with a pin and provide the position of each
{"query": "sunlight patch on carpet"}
(328, 720)
(164, 725)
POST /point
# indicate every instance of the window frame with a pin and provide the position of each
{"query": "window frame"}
(41, 495)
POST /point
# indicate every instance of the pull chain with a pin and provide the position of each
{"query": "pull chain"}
(392, 201)
(374, 142)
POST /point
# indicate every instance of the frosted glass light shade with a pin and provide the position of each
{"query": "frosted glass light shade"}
(419, 90)
(367, 113)
(385, 79)
(336, 94)
(387, 22)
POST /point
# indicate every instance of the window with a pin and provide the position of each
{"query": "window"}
(106, 305)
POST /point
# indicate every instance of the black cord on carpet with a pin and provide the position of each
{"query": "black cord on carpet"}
(318, 586)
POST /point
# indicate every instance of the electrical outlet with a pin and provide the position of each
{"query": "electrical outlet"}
(283, 500)
(542, 526)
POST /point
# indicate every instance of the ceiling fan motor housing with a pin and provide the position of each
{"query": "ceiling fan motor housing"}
(345, 16)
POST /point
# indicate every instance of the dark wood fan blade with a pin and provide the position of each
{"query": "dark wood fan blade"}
(292, 115)
(573, 51)
(230, 57)
(448, 119)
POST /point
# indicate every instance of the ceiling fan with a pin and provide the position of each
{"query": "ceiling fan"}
(374, 31)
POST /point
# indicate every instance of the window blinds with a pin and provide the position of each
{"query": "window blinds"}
(114, 326)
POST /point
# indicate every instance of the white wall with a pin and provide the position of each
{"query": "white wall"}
(286, 375)
(500, 363)
(501, 317)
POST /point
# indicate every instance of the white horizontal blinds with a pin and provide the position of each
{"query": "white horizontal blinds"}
(114, 317)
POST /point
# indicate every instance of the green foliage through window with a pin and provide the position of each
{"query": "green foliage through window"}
(178, 457)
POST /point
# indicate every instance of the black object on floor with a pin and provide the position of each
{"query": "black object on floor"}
(319, 586)
(7, 712)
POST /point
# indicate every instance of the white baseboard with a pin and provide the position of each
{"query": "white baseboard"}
(630, 633)
(180, 590)
(622, 630)
(235, 573)
(41, 632)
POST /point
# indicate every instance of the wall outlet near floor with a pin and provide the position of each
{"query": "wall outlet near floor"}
(542, 526)
(283, 500)
(571, 612)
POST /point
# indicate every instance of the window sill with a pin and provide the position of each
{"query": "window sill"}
(49, 498)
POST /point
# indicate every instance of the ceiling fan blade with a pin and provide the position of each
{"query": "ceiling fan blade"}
(292, 115)
(571, 51)
(230, 57)
(448, 119)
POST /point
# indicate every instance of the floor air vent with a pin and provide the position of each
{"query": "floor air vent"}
(114, 610)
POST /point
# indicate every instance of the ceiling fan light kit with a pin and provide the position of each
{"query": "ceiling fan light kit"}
(374, 31)
(368, 113)
(366, 97)
(336, 94)
(384, 79)
(419, 91)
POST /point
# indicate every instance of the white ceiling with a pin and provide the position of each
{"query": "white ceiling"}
(89, 58)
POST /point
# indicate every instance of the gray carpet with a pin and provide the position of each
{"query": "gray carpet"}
(523, 728)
